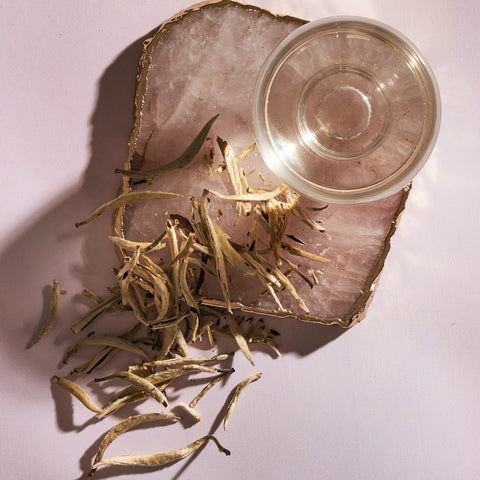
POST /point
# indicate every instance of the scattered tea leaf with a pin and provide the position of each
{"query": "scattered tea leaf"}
(239, 337)
(303, 253)
(182, 161)
(232, 169)
(185, 289)
(283, 280)
(97, 362)
(101, 358)
(312, 273)
(173, 373)
(131, 246)
(160, 459)
(231, 255)
(252, 196)
(181, 361)
(143, 384)
(128, 199)
(182, 345)
(122, 401)
(166, 293)
(298, 211)
(77, 392)
(236, 394)
(95, 312)
(117, 342)
(239, 157)
(169, 336)
(278, 217)
(215, 245)
(205, 389)
(127, 425)
(190, 411)
(52, 313)
(86, 292)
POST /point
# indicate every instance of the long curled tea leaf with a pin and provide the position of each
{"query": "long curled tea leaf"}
(52, 313)
(122, 401)
(204, 390)
(131, 246)
(160, 459)
(95, 312)
(77, 392)
(127, 425)
(303, 253)
(253, 196)
(180, 361)
(128, 199)
(239, 337)
(143, 384)
(181, 162)
(117, 342)
(236, 394)
(216, 248)
(298, 211)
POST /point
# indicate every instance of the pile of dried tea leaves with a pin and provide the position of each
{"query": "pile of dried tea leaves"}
(160, 283)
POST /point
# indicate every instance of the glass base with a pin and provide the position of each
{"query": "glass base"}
(343, 113)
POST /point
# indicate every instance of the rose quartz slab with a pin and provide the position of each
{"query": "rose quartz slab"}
(205, 62)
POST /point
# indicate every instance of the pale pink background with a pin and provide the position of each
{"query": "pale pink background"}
(397, 397)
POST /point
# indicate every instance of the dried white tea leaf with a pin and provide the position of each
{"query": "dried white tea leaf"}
(239, 337)
(77, 392)
(52, 313)
(130, 246)
(236, 394)
(95, 312)
(195, 416)
(215, 245)
(86, 292)
(177, 164)
(181, 361)
(117, 342)
(252, 196)
(160, 459)
(128, 199)
(127, 425)
(142, 384)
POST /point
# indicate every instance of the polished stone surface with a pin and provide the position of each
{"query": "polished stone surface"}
(207, 64)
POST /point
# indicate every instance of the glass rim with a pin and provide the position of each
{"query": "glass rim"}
(423, 72)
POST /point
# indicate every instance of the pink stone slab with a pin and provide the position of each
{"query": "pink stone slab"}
(205, 62)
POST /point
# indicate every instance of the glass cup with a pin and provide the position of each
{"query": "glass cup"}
(346, 110)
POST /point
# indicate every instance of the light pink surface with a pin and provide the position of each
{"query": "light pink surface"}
(395, 397)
